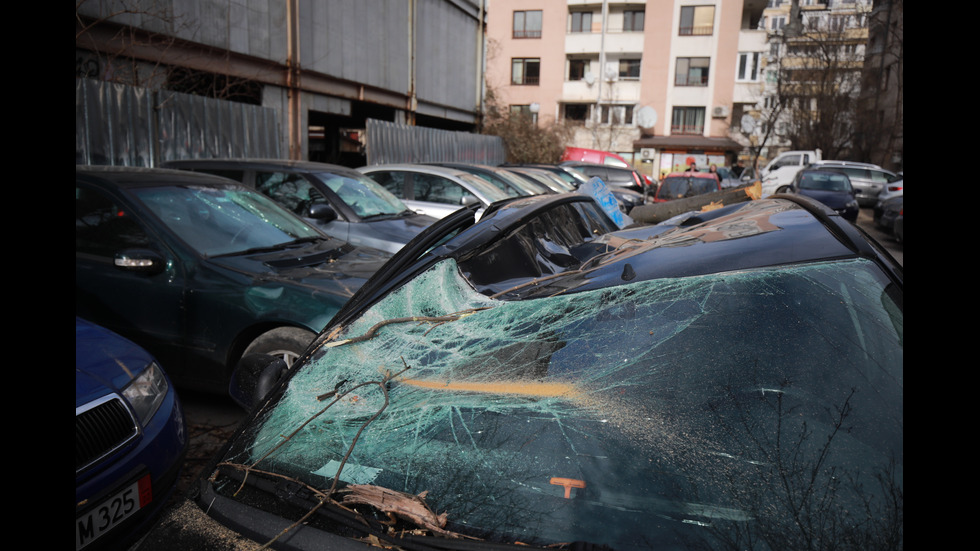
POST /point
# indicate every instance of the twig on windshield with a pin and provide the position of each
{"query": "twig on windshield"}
(439, 320)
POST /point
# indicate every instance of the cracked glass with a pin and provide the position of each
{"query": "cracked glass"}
(760, 409)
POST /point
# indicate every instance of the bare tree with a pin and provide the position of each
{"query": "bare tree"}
(818, 83)
(526, 140)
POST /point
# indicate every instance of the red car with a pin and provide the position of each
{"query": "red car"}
(679, 185)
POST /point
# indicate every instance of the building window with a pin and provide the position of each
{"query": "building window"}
(525, 70)
(697, 20)
(687, 120)
(777, 23)
(616, 114)
(527, 24)
(576, 112)
(580, 21)
(748, 67)
(577, 69)
(629, 68)
(692, 71)
(633, 20)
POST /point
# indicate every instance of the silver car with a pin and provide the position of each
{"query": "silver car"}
(434, 190)
(867, 179)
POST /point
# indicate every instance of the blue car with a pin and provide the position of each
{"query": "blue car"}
(130, 438)
(829, 187)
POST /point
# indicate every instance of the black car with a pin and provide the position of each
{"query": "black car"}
(538, 380)
(341, 201)
(199, 270)
(830, 187)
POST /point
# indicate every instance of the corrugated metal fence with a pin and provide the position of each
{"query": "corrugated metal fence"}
(388, 142)
(124, 125)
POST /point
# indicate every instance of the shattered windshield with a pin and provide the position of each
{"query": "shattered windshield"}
(217, 221)
(759, 409)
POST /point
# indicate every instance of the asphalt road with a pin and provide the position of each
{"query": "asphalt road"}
(211, 419)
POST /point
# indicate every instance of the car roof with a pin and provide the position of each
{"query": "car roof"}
(703, 243)
(129, 176)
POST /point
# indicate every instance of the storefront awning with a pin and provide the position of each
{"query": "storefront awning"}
(686, 143)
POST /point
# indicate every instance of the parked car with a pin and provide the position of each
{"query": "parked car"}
(564, 179)
(130, 439)
(434, 190)
(680, 185)
(892, 220)
(830, 187)
(198, 269)
(612, 176)
(779, 173)
(341, 201)
(595, 156)
(867, 179)
(507, 181)
(534, 377)
(894, 189)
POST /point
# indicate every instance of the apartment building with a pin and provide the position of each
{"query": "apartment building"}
(657, 81)
(816, 58)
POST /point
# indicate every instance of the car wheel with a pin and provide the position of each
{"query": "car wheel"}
(287, 343)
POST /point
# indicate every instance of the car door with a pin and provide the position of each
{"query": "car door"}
(146, 307)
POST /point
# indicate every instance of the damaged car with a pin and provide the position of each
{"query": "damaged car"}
(200, 270)
(538, 379)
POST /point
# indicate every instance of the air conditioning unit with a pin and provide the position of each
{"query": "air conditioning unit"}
(719, 112)
(647, 153)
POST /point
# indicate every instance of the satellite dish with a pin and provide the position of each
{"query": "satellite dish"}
(612, 72)
(747, 123)
(589, 78)
(646, 118)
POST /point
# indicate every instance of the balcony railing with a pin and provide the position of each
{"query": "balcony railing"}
(685, 80)
(697, 30)
(687, 129)
(527, 34)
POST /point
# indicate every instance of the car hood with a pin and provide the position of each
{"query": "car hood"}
(104, 361)
(328, 264)
(833, 199)
(389, 233)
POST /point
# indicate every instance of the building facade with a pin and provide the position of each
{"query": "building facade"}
(326, 66)
(657, 81)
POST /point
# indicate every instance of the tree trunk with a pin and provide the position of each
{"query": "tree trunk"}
(655, 213)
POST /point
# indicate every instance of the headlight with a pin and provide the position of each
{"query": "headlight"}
(852, 204)
(146, 392)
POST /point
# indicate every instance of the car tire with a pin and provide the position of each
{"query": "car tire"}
(287, 343)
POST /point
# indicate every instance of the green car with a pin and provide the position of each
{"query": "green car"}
(199, 270)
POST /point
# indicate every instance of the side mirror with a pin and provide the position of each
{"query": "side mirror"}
(321, 212)
(254, 377)
(142, 261)
(468, 200)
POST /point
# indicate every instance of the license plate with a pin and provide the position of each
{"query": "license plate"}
(111, 512)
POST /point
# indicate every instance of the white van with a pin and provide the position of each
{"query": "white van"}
(779, 173)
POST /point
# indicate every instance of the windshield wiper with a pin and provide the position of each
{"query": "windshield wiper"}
(272, 248)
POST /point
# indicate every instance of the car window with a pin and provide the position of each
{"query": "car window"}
(678, 187)
(393, 181)
(824, 181)
(791, 160)
(363, 195)
(854, 172)
(103, 228)
(436, 189)
(881, 177)
(292, 191)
